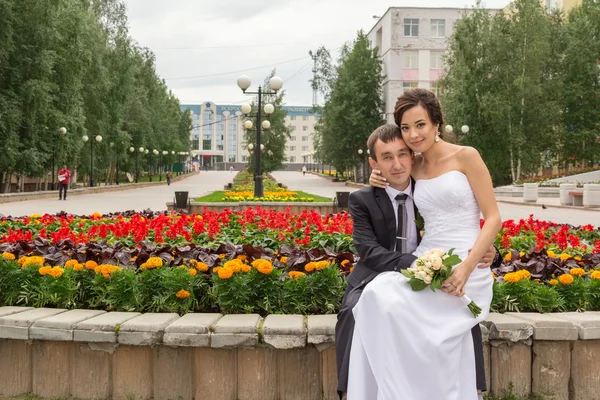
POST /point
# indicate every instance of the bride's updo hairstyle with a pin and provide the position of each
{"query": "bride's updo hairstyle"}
(423, 97)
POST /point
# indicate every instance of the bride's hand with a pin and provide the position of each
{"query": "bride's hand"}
(377, 180)
(455, 284)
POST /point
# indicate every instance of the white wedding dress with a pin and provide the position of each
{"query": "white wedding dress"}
(417, 345)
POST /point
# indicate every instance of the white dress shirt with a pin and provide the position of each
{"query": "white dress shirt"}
(411, 239)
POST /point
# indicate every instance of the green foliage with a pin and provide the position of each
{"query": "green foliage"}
(353, 103)
(527, 296)
(72, 64)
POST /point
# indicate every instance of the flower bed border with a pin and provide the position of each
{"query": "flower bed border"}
(295, 207)
(53, 352)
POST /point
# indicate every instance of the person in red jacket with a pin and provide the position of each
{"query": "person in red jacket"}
(64, 177)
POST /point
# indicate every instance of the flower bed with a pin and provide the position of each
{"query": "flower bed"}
(256, 261)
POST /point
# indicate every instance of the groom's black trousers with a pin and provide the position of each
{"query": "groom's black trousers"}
(343, 341)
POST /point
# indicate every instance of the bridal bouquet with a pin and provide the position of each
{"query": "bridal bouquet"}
(433, 268)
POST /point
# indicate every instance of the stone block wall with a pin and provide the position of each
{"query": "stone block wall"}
(91, 354)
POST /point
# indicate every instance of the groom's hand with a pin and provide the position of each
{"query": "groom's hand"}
(488, 258)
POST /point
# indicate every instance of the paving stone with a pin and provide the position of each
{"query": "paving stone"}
(507, 327)
(321, 328)
(16, 326)
(548, 326)
(60, 326)
(587, 323)
(191, 330)
(147, 329)
(236, 330)
(9, 310)
(284, 331)
(103, 328)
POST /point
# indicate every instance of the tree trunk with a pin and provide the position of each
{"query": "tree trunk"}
(7, 182)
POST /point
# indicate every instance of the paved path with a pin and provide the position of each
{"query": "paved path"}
(155, 198)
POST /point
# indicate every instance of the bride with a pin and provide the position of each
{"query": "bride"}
(417, 345)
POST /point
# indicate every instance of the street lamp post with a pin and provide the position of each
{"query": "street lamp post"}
(85, 138)
(464, 129)
(364, 170)
(137, 157)
(62, 131)
(275, 83)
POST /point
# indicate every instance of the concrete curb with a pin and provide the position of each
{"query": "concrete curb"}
(540, 202)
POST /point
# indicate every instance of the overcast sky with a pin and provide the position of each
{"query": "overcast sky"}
(202, 46)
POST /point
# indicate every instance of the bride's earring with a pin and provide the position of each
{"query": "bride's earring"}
(437, 137)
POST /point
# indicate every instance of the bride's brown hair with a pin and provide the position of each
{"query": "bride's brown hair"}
(423, 97)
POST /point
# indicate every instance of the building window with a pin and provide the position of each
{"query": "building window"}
(305, 138)
(207, 129)
(409, 85)
(293, 128)
(292, 159)
(293, 118)
(292, 138)
(305, 118)
(411, 27)
(292, 148)
(220, 130)
(244, 158)
(411, 59)
(305, 128)
(232, 141)
(434, 88)
(437, 61)
(317, 117)
(438, 27)
(304, 148)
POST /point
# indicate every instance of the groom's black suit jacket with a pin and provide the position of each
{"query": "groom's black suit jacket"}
(374, 232)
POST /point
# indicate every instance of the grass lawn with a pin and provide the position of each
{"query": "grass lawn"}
(215, 197)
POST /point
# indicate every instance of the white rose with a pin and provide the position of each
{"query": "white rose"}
(428, 279)
(445, 256)
(438, 252)
(428, 264)
(436, 263)
(422, 275)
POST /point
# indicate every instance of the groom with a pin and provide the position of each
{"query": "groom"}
(379, 243)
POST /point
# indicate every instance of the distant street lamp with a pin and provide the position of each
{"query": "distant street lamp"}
(275, 83)
(464, 130)
(137, 156)
(364, 168)
(85, 138)
(62, 131)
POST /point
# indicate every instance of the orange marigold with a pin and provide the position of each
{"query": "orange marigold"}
(192, 271)
(283, 259)
(263, 266)
(564, 256)
(508, 256)
(595, 275)
(71, 263)
(91, 265)
(225, 273)
(296, 274)
(33, 260)
(512, 277)
(153, 262)
(222, 256)
(78, 267)
(45, 270)
(8, 256)
(553, 282)
(310, 267)
(235, 265)
(202, 267)
(345, 262)
(577, 271)
(183, 294)
(216, 269)
(321, 265)
(242, 257)
(56, 272)
(551, 254)
(246, 268)
(566, 279)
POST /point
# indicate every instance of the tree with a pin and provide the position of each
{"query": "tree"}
(274, 138)
(354, 107)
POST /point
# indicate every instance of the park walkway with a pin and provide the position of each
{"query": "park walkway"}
(155, 198)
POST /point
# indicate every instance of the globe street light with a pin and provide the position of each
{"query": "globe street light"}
(85, 138)
(364, 170)
(61, 131)
(275, 83)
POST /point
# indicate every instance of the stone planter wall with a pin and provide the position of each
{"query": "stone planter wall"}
(565, 198)
(91, 354)
(296, 208)
(591, 195)
(530, 192)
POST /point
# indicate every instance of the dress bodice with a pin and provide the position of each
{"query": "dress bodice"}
(447, 204)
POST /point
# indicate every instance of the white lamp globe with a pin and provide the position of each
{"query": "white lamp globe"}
(131, 149)
(146, 151)
(173, 152)
(275, 83)
(244, 82)
(269, 109)
(85, 138)
(165, 152)
(262, 146)
(62, 130)
(448, 128)
(98, 138)
(465, 129)
(250, 147)
(246, 108)
(155, 152)
(360, 151)
(266, 124)
(141, 149)
(248, 124)
(368, 152)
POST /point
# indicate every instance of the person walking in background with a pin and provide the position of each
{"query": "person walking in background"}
(304, 170)
(168, 178)
(64, 177)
